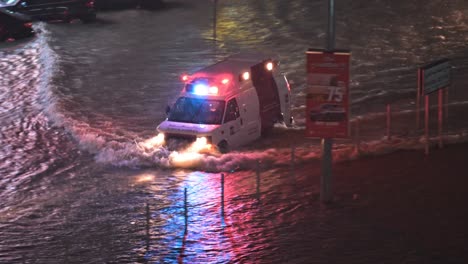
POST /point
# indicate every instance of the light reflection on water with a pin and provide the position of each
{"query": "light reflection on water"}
(203, 239)
(251, 220)
(209, 236)
(60, 208)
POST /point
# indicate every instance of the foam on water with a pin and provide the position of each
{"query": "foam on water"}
(129, 155)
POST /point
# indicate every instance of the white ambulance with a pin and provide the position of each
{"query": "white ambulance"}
(230, 103)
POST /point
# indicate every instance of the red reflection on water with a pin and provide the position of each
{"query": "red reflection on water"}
(211, 235)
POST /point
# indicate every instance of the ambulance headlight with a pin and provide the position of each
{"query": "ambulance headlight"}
(152, 143)
(159, 140)
(202, 140)
(202, 143)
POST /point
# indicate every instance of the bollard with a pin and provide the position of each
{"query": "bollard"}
(389, 120)
(446, 102)
(222, 194)
(293, 158)
(258, 178)
(326, 177)
(148, 217)
(356, 134)
(185, 208)
(418, 99)
(426, 124)
(440, 117)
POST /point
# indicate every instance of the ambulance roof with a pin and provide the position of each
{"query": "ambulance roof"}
(235, 64)
(231, 68)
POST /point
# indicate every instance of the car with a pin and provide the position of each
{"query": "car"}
(53, 9)
(328, 113)
(122, 4)
(229, 104)
(115, 4)
(14, 26)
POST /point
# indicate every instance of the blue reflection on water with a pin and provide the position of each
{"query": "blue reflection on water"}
(204, 239)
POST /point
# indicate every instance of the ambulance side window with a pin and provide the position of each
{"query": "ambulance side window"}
(232, 111)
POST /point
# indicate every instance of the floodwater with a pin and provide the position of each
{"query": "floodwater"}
(75, 188)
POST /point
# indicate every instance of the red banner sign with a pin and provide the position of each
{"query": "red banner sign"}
(327, 111)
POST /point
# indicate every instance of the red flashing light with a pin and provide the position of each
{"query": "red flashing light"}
(225, 81)
(184, 78)
(28, 25)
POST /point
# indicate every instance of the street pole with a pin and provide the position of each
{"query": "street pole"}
(331, 25)
(326, 179)
(327, 143)
(148, 219)
(214, 18)
(222, 194)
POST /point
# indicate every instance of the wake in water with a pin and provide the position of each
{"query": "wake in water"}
(29, 146)
(272, 151)
(201, 156)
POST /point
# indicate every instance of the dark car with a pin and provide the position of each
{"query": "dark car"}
(122, 4)
(53, 9)
(14, 26)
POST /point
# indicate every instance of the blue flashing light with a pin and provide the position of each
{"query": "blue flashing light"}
(200, 89)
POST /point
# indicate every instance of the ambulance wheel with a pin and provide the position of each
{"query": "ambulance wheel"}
(223, 146)
(267, 130)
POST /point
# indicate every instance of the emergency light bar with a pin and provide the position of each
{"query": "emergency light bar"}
(202, 89)
(244, 76)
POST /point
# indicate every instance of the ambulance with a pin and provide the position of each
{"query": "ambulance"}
(230, 104)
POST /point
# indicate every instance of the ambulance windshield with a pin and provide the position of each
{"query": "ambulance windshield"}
(197, 111)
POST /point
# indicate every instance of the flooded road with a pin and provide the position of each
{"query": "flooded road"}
(75, 188)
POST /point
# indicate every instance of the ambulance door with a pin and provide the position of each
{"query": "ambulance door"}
(268, 97)
(233, 123)
(250, 115)
(284, 91)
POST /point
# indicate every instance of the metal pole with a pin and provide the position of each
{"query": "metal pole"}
(148, 217)
(446, 102)
(258, 178)
(356, 134)
(389, 120)
(327, 143)
(331, 25)
(441, 97)
(418, 100)
(222, 194)
(426, 124)
(326, 179)
(185, 208)
(293, 158)
(214, 18)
